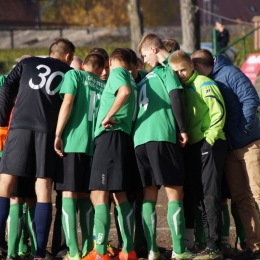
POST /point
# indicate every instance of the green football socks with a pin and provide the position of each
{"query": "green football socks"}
(102, 222)
(176, 223)
(69, 224)
(126, 223)
(150, 223)
(86, 218)
(15, 216)
(23, 247)
(31, 228)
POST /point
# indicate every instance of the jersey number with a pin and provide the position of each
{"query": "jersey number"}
(135, 111)
(94, 97)
(143, 99)
(45, 82)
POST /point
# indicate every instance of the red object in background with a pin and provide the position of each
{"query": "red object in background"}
(251, 66)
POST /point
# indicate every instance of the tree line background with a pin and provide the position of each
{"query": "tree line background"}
(110, 13)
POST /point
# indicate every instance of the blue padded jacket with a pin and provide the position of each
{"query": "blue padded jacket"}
(242, 125)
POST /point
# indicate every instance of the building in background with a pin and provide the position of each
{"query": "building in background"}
(18, 13)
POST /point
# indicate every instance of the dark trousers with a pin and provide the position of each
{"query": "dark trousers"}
(202, 187)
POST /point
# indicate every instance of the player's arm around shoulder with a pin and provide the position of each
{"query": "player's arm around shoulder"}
(213, 99)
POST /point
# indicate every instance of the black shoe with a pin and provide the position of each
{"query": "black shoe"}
(227, 251)
(247, 254)
(141, 251)
(161, 249)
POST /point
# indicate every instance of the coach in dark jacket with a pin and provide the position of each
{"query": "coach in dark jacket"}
(242, 127)
(241, 99)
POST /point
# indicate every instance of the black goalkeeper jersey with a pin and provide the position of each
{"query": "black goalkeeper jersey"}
(34, 83)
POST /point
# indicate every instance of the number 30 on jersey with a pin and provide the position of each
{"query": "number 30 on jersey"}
(45, 82)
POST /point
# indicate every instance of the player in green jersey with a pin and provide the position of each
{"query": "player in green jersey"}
(74, 143)
(135, 195)
(206, 150)
(105, 73)
(157, 149)
(109, 168)
(59, 248)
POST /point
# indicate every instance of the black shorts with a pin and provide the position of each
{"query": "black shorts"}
(160, 163)
(73, 172)
(109, 169)
(24, 188)
(29, 153)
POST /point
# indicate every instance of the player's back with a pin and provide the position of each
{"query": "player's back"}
(155, 117)
(38, 101)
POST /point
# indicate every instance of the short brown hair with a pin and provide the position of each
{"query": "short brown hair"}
(179, 56)
(122, 54)
(101, 52)
(134, 57)
(203, 57)
(95, 60)
(61, 46)
(140, 61)
(149, 40)
(171, 45)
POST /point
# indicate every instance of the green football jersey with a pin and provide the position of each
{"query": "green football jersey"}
(155, 120)
(118, 77)
(78, 134)
(141, 75)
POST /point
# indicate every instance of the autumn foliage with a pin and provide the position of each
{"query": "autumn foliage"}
(110, 13)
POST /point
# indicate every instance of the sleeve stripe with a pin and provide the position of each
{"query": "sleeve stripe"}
(223, 108)
(208, 83)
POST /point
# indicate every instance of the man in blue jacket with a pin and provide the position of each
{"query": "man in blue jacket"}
(242, 128)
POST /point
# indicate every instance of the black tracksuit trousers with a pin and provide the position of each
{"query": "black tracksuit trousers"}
(202, 187)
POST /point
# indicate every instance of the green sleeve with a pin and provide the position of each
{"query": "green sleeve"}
(69, 84)
(217, 111)
(171, 80)
(118, 77)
